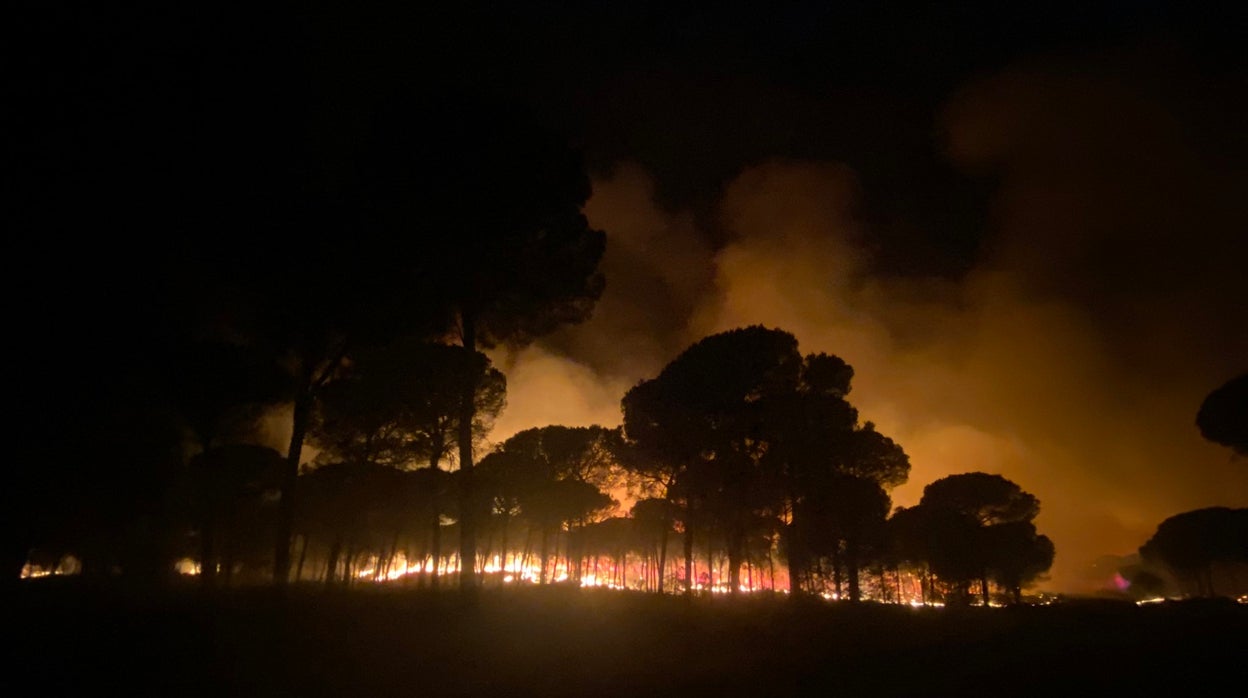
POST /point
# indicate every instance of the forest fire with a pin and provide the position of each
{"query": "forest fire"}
(571, 350)
(632, 575)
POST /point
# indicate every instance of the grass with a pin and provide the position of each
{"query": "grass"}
(76, 640)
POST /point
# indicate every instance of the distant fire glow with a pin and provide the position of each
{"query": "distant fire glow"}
(631, 573)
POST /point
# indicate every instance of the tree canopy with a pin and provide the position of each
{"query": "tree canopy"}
(1223, 415)
(977, 526)
(1193, 543)
(742, 428)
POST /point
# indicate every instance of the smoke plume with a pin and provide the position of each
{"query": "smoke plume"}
(1107, 301)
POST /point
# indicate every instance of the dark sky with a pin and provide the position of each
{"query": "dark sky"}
(1022, 223)
(694, 95)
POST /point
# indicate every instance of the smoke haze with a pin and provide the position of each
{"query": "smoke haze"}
(1107, 301)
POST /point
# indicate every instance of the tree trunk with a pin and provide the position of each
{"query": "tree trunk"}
(435, 524)
(796, 559)
(506, 524)
(467, 511)
(545, 555)
(394, 551)
(662, 558)
(574, 555)
(688, 559)
(852, 570)
(303, 555)
(290, 477)
(435, 547)
(836, 572)
(528, 549)
(332, 566)
(983, 587)
(735, 545)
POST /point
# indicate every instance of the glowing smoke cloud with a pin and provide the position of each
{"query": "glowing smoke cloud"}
(1071, 359)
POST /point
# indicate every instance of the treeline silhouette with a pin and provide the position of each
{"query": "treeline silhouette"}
(742, 454)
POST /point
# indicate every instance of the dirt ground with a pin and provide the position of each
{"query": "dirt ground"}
(65, 639)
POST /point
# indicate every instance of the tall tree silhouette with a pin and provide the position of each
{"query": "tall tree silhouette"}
(551, 475)
(976, 524)
(741, 426)
(229, 483)
(706, 414)
(1192, 543)
(653, 518)
(285, 255)
(831, 471)
(1018, 554)
(841, 517)
(399, 405)
(512, 256)
(1223, 415)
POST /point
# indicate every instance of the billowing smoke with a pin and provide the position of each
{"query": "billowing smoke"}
(1107, 302)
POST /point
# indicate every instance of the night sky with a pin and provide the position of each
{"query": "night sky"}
(1022, 223)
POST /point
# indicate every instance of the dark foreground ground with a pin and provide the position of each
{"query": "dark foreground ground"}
(61, 639)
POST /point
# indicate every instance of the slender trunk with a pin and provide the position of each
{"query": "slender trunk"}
(394, 550)
(286, 508)
(347, 566)
(506, 524)
(435, 547)
(574, 555)
(735, 545)
(688, 559)
(435, 523)
(332, 566)
(528, 549)
(836, 572)
(852, 570)
(796, 559)
(714, 569)
(484, 553)
(303, 556)
(662, 558)
(545, 555)
(467, 510)
(983, 587)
